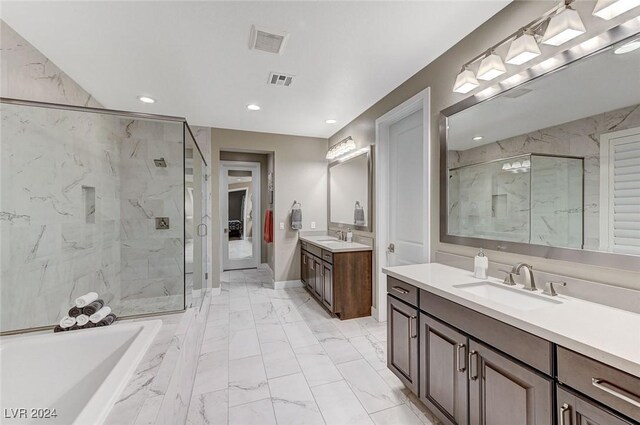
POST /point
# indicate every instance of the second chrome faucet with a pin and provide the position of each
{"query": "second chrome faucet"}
(530, 283)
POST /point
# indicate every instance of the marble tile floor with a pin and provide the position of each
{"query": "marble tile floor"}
(276, 357)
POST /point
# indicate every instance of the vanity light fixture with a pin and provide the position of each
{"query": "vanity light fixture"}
(253, 107)
(330, 121)
(628, 47)
(491, 67)
(565, 25)
(146, 99)
(522, 49)
(341, 148)
(609, 9)
(465, 81)
(477, 138)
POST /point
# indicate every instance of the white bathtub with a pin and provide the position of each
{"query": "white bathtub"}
(78, 373)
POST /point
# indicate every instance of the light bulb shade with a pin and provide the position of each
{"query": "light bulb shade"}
(491, 67)
(465, 82)
(522, 50)
(609, 9)
(341, 148)
(564, 26)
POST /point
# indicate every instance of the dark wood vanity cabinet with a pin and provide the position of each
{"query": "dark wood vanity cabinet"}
(443, 369)
(340, 281)
(402, 337)
(473, 369)
(502, 391)
(574, 409)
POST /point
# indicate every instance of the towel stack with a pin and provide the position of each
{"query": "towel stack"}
(89, 312)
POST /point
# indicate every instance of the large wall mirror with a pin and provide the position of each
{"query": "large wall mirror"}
(350, 192)
(550, 167)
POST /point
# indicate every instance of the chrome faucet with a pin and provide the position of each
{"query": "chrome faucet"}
(529, 284)
(340, 234)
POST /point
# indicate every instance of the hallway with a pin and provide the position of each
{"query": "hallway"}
(276, 357)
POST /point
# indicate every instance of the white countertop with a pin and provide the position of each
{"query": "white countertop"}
(332, 244)
(604, 333)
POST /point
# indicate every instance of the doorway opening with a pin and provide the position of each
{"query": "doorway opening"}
(240, 193)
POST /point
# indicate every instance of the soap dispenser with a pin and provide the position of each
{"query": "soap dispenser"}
(349, 236)
(480, 265)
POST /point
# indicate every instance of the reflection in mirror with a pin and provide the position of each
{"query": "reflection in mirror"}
(349, 192)
(553, 162)
(240, 192)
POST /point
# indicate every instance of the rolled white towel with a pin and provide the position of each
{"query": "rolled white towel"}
(100, 314)
(82, 320)
(67, 322)
(86, 299)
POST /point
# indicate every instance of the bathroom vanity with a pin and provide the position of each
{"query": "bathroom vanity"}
(338, 274)
(481, 352)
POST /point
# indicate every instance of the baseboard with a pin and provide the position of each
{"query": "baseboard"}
(374, 313)
(216, 291)
(284, 284)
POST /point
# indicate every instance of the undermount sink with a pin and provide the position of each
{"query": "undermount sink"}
(514, 297)
(330, 240)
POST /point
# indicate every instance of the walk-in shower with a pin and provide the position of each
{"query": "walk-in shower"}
(84, 207)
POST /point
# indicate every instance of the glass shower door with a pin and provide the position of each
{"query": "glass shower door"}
(196, 234)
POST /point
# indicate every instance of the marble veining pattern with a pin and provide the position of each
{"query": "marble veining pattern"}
(580, 138)
(293, 368)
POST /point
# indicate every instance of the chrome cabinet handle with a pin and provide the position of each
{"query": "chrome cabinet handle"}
(461, 360)
(304, 259)
(616, 391)
(563, 410)
(473, 365)
(413, 332)
(400, 290)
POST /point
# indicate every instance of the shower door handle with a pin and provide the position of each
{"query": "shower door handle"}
(200, 231)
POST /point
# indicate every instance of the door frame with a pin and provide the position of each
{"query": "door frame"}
(420, 101)
(256, 240)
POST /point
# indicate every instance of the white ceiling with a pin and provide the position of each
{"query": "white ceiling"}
(598, 84)
(194, 57)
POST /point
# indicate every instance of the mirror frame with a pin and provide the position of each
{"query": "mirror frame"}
(605, 41)
(332, 224)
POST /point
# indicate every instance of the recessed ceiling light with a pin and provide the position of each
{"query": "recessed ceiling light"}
(628, 47)
(331, 121)
(146, 99)
(253, 107)
(477, 138)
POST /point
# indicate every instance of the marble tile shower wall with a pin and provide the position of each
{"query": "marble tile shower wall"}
(580, 138)
(152, 259)
(59, 212)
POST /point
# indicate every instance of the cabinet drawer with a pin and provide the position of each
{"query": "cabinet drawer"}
(402, 290)
(529, 349)
(327, 256)
(312, 249)
(612, 387)
(572, 409)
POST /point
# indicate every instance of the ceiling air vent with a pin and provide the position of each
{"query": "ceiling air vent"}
(267, 40)
(276, 79)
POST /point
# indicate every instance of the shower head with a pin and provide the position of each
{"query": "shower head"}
(161, 163)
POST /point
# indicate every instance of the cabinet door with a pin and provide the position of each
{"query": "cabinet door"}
(317, 282)
(443, 370)
(574, 410)
(327, 288)
(311, 273)
(502, 391)
(402, 342)
(304, 270)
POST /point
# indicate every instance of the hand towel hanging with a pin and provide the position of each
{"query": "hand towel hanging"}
(268, 226)
(296, 216)
(358, 215)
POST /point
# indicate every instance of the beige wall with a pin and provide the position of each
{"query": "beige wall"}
(439, 76)
(300, 173)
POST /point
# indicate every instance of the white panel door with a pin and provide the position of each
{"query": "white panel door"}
(406, 192)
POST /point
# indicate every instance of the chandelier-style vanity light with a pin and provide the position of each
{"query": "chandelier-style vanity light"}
(556, 27)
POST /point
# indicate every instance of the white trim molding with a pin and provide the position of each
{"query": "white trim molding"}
(420, 101)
